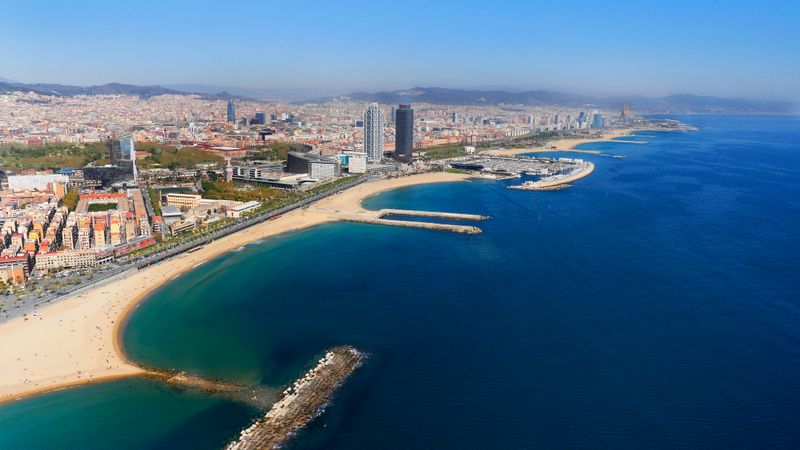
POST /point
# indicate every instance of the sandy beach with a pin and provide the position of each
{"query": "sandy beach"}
(568, 145)
(76, 340)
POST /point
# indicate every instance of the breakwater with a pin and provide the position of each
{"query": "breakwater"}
(443, 215)
(304, 400)
(380, 218)
(462, 229)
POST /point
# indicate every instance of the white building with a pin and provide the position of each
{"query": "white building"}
(183, 200)
(322, 170)
(66, 259)
(356, 162)
(38, 181)
(374, 122)
(237, 211)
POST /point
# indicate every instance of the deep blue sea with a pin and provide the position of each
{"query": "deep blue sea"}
(655, 304)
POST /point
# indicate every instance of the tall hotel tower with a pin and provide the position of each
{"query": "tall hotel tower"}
(373, 132)
(231, 112)
(404, 133)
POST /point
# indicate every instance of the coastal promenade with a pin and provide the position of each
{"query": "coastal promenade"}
(76, 340)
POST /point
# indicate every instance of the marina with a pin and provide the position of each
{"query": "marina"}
(558, 181)
(554, 173)
(504, 167)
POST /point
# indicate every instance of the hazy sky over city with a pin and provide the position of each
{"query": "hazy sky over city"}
(727, 48)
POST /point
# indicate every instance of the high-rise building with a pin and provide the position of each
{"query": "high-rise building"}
(128, 148)
(114, 151)
(626, 111)
(597, 120)
(373, 132)
(394, 114)
(121, 154)
(261, 118)
(231, 112)
(454, 117)
(404, 133)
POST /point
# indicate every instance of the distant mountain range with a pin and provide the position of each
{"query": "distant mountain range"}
(205, 91)
(678, 103)
(256, 93)
(104, 89)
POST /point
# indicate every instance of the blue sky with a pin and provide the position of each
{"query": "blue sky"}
(728, 48)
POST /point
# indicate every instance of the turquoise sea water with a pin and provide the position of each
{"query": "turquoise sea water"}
(653, 305)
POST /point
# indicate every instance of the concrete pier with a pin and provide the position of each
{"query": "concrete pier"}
(379, 218)
(462, 229)
(443, 215)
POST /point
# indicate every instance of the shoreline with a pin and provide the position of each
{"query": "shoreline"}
(568, 145)
(82, 334)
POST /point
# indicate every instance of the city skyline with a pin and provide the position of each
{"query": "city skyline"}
(618, 49)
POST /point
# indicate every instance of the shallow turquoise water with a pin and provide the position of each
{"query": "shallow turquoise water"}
(126, 414)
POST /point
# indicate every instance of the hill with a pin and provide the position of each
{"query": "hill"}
(678, 103)
(64, 90)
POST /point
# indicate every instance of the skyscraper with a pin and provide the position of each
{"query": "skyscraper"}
(597, 120)
(128, 147)
(394, 114)
(231, 112)
(114, 151)
(374, 122)
(121, 153)
(404, 133)
(626, 111)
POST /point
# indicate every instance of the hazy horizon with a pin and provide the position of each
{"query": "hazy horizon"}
(742, 50)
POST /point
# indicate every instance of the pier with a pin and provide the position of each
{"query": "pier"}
(380, 218)
(462, 229)
(301, 402)
(443, 215)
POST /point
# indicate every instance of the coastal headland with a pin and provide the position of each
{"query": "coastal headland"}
(77, 340)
